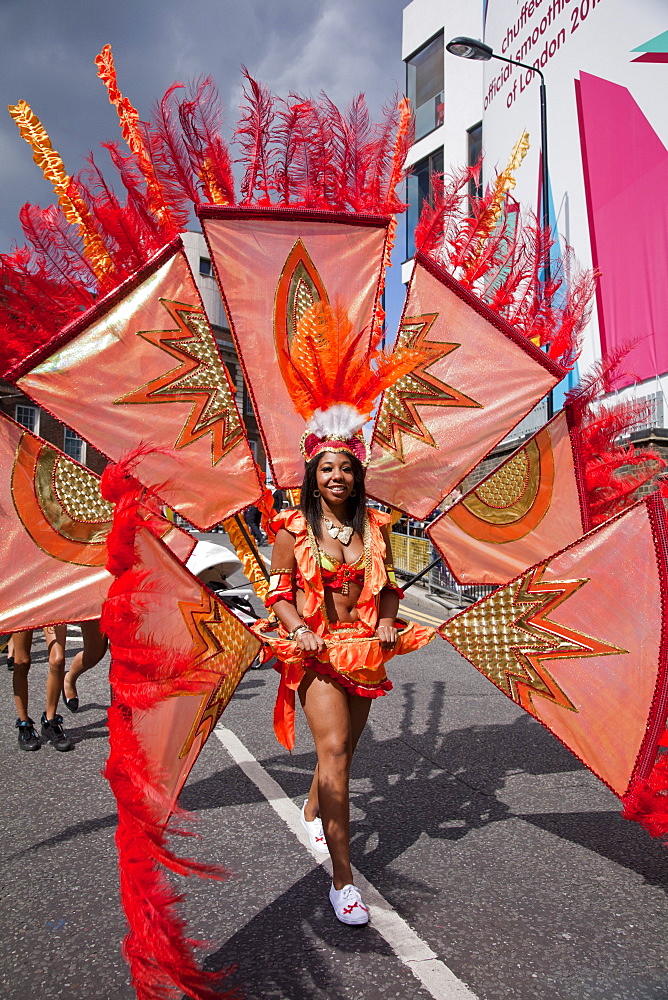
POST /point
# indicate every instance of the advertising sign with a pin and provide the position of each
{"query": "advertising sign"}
(605, 64)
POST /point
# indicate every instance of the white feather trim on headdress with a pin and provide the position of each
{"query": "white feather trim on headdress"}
(338, 422)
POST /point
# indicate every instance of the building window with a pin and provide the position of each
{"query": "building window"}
(248, 404)
(424, 86)
(74, 446)
(205, 267)
(27, 416)
(474, 154)
(418, 190)
(253, 448)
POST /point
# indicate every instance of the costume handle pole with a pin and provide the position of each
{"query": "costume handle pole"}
(422, 572)
(251, 545)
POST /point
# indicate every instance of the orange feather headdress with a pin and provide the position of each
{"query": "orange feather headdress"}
(335, 375)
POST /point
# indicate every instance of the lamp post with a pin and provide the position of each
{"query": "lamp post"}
(471, 48)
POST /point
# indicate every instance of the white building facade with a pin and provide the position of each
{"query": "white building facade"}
(605, 64)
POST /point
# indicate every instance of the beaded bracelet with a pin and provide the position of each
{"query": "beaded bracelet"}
(298, 631)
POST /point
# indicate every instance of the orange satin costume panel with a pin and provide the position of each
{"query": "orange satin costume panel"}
(353, 656)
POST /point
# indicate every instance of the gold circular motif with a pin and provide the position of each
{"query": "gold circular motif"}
(508, 485)
(78, 492)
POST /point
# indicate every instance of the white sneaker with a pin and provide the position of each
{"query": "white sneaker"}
(316, 834)
(348, 905)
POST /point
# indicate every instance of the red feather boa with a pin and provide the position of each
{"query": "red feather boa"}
(157, 949)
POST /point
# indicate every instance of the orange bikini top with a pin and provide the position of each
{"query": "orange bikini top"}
(339, 574)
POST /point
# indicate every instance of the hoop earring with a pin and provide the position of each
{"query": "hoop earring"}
(353, 493)
(316, 493)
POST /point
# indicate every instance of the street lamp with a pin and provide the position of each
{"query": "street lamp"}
(471, 48)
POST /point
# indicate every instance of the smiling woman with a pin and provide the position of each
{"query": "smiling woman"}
(335, 595)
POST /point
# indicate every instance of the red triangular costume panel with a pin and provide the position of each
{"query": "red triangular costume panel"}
(142, 366)
(183, 619)
(437, 423)
(271, 265)
(525, 510)
(177, 656)
(55, 524)
(579, 642)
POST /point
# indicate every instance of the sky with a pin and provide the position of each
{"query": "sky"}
(48, 48)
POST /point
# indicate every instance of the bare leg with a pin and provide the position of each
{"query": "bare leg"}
(94, 648)
(359, 713)
(22, 644)
(56, 637)
(328, 712)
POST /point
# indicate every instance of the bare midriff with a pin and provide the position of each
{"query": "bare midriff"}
(339, 607)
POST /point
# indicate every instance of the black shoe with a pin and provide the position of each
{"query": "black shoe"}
(71, 703)
(28, 738)
(10, 663)
(52, 730)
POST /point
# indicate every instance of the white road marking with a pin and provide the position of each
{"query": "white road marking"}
(435, 976)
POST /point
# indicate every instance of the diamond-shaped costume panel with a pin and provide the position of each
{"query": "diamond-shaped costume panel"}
(54, 534)
(271, 266)
(578, 642)
(525, 510)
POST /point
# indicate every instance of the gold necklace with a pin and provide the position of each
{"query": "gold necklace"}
(343, 532)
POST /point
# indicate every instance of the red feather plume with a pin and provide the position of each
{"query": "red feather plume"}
(253, 134)
(614, 469)
(156, 948)
(171, 160)
(201, 119)
(500, 255)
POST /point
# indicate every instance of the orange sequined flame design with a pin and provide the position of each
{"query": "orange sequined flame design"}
(398, 414)
(200, 380)
(221, 645)
(509, 637)
(299, 288)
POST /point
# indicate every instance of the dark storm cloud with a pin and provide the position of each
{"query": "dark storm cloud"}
(48, 48)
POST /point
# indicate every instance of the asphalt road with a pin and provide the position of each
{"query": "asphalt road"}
(488, 845)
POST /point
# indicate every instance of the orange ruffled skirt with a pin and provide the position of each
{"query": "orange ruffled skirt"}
(352, 657)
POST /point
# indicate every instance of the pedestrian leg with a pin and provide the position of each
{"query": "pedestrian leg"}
(94, 647)
(22, 646)
(56, 637)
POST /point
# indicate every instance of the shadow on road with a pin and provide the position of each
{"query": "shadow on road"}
(444, 785)
(270, 963)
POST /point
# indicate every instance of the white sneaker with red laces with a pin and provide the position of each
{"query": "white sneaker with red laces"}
(348, 905)
(316, 834)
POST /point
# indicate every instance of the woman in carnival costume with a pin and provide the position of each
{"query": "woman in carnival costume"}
(334, 592)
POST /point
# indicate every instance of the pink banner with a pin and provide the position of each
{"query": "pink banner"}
(625, 169)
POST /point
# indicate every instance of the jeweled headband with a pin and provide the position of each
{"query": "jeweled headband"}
(311, 445)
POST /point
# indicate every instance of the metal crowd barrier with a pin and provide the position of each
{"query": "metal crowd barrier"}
(413, 554)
